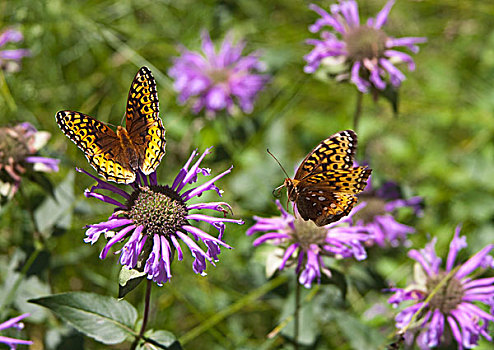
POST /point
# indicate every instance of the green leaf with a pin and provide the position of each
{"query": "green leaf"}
(106, 319)
(359, 335)
(166, 340)
(43, 181)
(57, 211)
(391, 94)
(338, 279)
(128, 280)
(308, 330)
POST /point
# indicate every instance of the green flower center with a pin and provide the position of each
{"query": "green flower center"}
(12, 146)
(365, 42)
(158, 208)
(448, 296)
(307, 233)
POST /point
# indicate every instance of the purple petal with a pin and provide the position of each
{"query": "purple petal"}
(288, 253)
(382, 16)
(206, 186)
(473, 263)
(457, 243)
(12, 322)
(120, 235)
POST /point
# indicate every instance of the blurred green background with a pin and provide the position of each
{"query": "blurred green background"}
(440, 146)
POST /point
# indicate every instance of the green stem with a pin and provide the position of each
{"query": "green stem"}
(145, 316)
(237, 306)
(6, 92)
(358, 110)
(428, 299)
(296, 312)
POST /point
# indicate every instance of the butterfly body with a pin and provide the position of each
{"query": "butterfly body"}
(119, 156)
(326, 184)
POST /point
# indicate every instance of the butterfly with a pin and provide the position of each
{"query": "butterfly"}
(326, 184)
(119, 156)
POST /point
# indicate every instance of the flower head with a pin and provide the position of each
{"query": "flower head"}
(154, 219)
(10, 59)
(14, 323)
(306, 244)
(217, 80)
(378, 213)
(19, 146)
(456, 303)
(367, 50)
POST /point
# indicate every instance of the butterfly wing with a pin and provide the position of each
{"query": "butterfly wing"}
(335, 152)
(324, 207)
(351, 181)
(100, 145)
(143, 122)
(326, 181)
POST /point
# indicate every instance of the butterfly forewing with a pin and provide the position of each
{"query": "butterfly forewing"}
(143, 123)
(141, 145)
(336, 152)
(326, 183)
(100, 145)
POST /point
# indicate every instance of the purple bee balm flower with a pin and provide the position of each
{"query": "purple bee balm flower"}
(19, 146)
(10, 59)
(368, 51)
(14, 323)
(455, 312)
(377, 214)
(306, 244)
(154, 219)
(217, 80)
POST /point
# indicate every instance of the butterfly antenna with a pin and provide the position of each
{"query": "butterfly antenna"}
(281, 166)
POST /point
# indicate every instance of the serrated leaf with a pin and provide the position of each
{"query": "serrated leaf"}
(106, 319)
(128, 280)
(165, 339)
(57, 211)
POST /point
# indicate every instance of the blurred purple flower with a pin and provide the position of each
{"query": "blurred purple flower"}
(307, 244)
(216, 80)
(10, 59)
(14, 323)
(377, 214)
(456, 304)
(19, 146)
(367, 50)
(154, 219)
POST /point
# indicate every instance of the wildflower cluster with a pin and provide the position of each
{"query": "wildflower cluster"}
(154, 219)
(366, 49)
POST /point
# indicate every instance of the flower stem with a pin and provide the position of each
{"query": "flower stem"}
(296, 312)
(6, 92)
(358, 110)
(145, 316)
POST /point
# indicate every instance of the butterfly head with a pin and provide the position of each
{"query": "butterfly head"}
(291, 188)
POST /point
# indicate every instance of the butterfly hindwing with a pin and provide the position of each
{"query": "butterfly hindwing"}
(99, 143)
(324, 207)
(143, 122)
(335, 152)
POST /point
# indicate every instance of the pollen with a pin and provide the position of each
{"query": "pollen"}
(159, 209)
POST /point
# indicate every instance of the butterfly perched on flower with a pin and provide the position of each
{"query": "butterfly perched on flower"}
(326, 184)
(119, 156)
